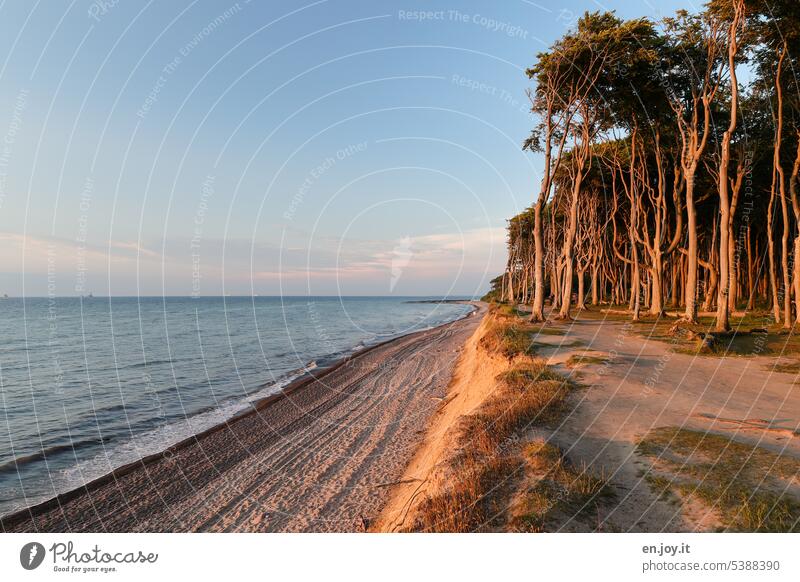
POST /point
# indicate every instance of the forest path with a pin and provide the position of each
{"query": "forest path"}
(635, 384)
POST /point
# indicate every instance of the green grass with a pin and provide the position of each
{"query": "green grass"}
(508, 338)
(584, 360)
(545, 329)
(558, 489)
(788, 368)
(745, 484)
(661, 486)
(509, 310)
(741, 341)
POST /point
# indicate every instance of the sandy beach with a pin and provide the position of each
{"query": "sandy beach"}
(321, 456)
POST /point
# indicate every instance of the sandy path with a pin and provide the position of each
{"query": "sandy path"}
(643, 385)
(319, 459)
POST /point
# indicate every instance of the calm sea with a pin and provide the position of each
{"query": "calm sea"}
(89, 385)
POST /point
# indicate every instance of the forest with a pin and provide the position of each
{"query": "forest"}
(671, 160)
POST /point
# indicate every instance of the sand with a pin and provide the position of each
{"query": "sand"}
(643, 385)
(474, 379)
(323, 456)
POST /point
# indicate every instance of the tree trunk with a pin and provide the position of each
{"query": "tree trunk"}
(537, 309)
(751, 283)
(656, 281)
(787, 287)
(569, 243)
(581, 290)
(779, 188)
(690, 313)
(773, 279)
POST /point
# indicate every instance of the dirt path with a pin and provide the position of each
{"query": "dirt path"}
(642, 384)
(321, 458)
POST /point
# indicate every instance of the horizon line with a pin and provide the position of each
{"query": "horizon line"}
(435, 296)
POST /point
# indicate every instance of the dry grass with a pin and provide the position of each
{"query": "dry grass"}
(511, 334)
(557, 489)
(494, 464)
(508, 337)
(531, 393)
(472, 501)
(751, 488)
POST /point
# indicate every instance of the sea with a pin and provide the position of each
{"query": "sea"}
(90, 384)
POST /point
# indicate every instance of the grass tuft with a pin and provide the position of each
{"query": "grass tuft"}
(558, 488)
(748, 486)
(583, 360)
(509, 338)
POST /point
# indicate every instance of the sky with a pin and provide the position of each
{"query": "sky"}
(274, 148)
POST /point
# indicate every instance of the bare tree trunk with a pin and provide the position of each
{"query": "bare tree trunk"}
(537, 309)
(778, 188)
(569, 260)
(690, 313)
(635, 287)
(725, 218)
(750, 269)
(675, 273)
(656, 297)
(581, 290)
(712, 279)
(682, 288)
(733, 291)
(796, 208)
(569, 236)
(796, 277)
(787, 287)
(773, 280)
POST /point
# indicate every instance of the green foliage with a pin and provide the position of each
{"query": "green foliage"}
(495, 291)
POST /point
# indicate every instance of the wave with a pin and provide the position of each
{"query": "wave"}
(148, 363)
(13, 465)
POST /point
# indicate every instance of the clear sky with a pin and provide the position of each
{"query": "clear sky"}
(276, 147)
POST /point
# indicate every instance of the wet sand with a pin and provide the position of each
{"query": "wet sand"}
(321, 456)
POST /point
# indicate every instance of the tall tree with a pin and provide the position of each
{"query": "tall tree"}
(722, 321)
(694, 80)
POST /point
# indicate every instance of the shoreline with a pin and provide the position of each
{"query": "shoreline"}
(262, 405)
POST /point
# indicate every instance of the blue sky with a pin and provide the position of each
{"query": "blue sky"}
(274, 147)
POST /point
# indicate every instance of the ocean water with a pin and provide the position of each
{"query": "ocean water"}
(89, 385)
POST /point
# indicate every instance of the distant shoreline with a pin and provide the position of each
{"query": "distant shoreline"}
(435, 301)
